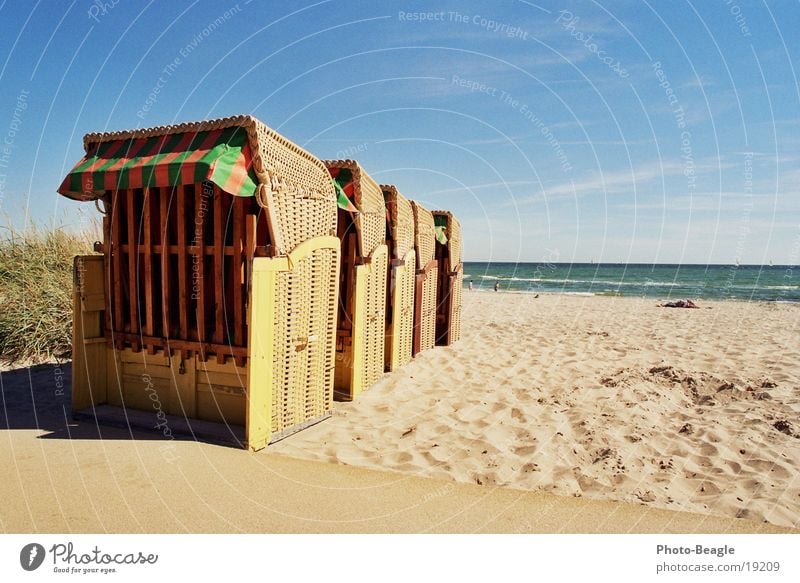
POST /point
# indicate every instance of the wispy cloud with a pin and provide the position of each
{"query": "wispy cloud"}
(491, 141)
(625, 143)
(471, 27)
(768, 158)
(723, 202)
(624, 181)
(511, 75)
(484, 65)
(699, 82)
(618, 181)
(509, 184)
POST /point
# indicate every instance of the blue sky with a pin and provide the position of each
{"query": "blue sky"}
(612, 131)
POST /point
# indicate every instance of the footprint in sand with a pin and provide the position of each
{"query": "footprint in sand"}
(708, 449)
(430, 459)
(523, 395)
(767, 467)
(401, 457)
(706, 488)
(518, 415)
(525, 450)
(471, 415)
(735, 467)
(497, 407)
(779, 471)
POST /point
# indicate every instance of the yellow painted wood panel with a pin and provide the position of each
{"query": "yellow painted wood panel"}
(88, 357)
(357, 350)
(222, 408)
(223, 379)
(95, 365)
(146, 393)
(400, 333)
(212, 366)
(221, 389)
(81, 398)
(258, 418)
(113, 377)
(161, 371)
(183, 392)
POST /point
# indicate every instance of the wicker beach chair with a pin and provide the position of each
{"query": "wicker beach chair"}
(360, 336)
(214, 299)
(451, 278)
(426, 279)
(402, 274)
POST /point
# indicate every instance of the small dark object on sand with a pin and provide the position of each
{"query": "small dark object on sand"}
(784, 427)
(679, 304)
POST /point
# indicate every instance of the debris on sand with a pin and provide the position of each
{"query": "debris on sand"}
(784, 427)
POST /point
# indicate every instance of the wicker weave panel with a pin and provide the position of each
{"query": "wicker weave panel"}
(360, 361)
(301, 190)
(304, 341)
(401, 221)
(294, 185)
(455, 306)
(326, 269)
(375, 317)
(371, 219)
(428, 321)
(400, 333)
(424, 234)
(455, 242)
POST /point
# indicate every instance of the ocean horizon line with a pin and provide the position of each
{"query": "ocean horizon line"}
(632, 264)
(670, 280)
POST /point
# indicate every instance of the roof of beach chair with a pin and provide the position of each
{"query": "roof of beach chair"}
(240, 154)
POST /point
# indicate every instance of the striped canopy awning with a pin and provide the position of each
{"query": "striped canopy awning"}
(343, 184)
(440, 222)
(223, 156)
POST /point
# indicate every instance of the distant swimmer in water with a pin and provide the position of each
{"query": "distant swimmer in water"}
(497, 286)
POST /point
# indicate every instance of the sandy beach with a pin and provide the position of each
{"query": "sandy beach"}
(553, 414)
(599, 397)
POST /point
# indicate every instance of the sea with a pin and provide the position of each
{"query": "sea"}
(767, 283)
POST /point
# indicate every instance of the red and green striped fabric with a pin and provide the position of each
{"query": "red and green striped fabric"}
(222, 156)
(343, 183)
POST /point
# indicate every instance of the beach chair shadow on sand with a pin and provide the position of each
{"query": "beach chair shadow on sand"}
(37, 398)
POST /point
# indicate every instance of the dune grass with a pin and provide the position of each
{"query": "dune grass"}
(36, 291)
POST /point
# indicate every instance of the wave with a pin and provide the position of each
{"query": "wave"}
(579, 281)
(706, 282)
(594, 282)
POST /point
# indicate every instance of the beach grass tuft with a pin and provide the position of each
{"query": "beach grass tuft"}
(36, 290)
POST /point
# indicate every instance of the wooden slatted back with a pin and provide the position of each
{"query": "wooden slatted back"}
(178, 269)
